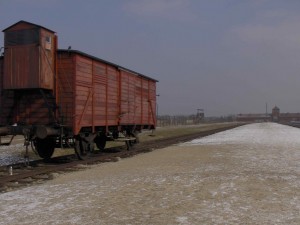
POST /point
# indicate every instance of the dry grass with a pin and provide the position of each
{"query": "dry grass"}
(165, 132)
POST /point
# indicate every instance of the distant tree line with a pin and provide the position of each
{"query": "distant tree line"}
(176, 120)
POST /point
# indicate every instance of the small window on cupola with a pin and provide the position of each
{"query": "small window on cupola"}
(48, 43)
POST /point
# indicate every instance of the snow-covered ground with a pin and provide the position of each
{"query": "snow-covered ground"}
(13, 153)
(248, 175)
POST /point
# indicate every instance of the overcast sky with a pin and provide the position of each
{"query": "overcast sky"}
(225, 56)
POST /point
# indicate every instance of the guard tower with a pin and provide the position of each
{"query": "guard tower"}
(275, 114)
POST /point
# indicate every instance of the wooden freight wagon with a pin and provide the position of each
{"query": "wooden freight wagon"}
(96, 95)
(67, 97)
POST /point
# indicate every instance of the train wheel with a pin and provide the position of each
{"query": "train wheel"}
(83, 146)
(137, 138)
(100, 142)
(45, 147)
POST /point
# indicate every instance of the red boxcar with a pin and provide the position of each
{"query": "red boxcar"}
(95, 94)
(67, 97)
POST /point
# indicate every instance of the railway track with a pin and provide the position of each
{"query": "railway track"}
(21, 175)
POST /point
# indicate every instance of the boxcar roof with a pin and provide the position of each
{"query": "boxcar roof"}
(104, 61)
(22, 21)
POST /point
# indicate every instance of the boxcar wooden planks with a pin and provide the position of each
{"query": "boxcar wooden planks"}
(103, 94)
(29, 57)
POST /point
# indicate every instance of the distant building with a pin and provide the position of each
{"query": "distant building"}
(253, 117)
(275, 116)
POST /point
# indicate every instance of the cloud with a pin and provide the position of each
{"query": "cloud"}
(274, 29)
(168, 9)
